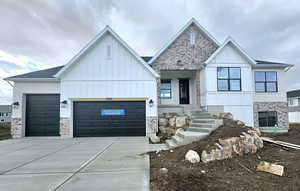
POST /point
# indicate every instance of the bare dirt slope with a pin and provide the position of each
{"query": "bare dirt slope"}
(238, 173)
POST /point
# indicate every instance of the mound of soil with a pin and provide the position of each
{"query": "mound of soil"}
(238, 173)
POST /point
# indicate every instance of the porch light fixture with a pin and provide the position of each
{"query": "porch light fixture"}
(64, 102)
(16, 103)
(151, 103)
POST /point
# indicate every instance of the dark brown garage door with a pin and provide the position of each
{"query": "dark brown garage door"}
(42, 115)
(109, 118)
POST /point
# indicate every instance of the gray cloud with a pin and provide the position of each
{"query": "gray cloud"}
(48, 33)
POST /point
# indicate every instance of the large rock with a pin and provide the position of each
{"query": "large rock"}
(192, 156)
(172, 122)
(170, 131)
(240, 123)
(225, 115)
(163, 122)
(163, 129)
(181, 121)
(154, 139)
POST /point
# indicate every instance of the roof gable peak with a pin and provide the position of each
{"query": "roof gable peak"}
(187, 25)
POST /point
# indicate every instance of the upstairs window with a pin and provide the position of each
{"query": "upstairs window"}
(267, 118)
(108, 49)
(229, 79)
(266, 82)
(192, 38)
(165, 89)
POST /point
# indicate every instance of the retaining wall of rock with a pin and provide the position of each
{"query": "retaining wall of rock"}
(248, 142)
(170, 122)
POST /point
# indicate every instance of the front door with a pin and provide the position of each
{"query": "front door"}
(184, 92)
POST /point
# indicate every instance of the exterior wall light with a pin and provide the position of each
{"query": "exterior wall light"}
(16, 103)
(64, 102)
(151, 103)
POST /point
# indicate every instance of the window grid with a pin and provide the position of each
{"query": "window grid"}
(229, 79)
(265, 82)
(165, 81)
(267, 118)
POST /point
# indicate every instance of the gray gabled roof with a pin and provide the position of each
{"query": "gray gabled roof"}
(294, 93)
(41, 74)
(49, 73)
(268, 64)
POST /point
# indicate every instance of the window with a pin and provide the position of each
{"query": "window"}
(165, 89)
(267, 118)
(266, 82)
(229, 79)
(192, 38)
(290, 101)
(108, 52)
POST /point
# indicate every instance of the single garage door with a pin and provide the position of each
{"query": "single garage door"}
(109, 118)
(42, 115)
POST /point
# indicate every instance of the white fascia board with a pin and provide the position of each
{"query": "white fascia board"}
(93, 41)
(192, 21)
(32, 79)
(236, 46)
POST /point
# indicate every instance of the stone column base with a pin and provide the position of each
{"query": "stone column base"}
(16, 128)
(151, 125)
(64, 130)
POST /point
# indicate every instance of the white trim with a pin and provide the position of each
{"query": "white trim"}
(192, 21)
(93, 41)
(227, 41)
(32, 79)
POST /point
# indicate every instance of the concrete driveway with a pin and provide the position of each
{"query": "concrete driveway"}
(74, 164)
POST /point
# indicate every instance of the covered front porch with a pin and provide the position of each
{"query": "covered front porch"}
(179, 87)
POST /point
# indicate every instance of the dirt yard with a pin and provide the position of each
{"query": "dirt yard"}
(238, 173)
(5, 132)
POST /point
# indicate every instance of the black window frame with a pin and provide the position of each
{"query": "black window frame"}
(229, 79)
(269, 122)
(169, 81)
(266, 82)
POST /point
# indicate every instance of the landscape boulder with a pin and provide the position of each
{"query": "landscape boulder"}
(163, 121)
(225, 115)
(192, 156)
(172, 122)
(181, 121)
(154, 139)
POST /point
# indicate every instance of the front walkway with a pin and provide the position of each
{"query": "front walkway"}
(74, 164)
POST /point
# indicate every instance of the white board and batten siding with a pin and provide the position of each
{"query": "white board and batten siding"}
(108, 70)
(240, 103)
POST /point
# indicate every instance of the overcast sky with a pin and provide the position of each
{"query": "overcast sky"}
(38, 34)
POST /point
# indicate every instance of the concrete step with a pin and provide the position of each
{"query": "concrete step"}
(177, 139)
(201, 117)
(204, 125)
(170, 144)
(203, 130)
(198, 112)
(189, 136)
(209, 121)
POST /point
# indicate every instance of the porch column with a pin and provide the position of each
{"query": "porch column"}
(198, 92)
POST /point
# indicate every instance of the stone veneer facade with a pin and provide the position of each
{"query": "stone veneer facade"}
(182, 55)
(151, 125)
(280, 107)
(16, 128)
(64, 127)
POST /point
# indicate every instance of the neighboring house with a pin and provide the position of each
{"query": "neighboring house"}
(5, 113)
(294, 106)
(108, 90)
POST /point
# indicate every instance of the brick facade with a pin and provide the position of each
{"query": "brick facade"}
(182, 55)
(280, 107)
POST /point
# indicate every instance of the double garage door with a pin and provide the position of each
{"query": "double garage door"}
(90, 118)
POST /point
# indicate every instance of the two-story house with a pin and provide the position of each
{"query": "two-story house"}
(107, 89)
(294, 106)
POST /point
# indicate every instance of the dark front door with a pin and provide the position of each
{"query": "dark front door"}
(42, 115)
(109, 118)
(184, 92)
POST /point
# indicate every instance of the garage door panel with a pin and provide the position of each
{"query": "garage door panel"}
(42, 115)
(90, 121)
